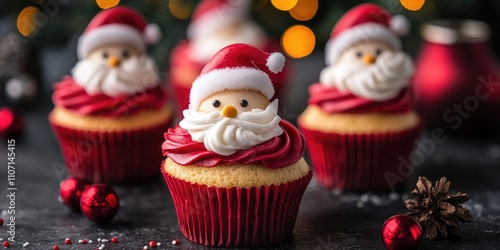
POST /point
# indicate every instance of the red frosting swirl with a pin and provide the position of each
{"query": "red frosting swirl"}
(73, 97)
(332, 101)
(278, 152)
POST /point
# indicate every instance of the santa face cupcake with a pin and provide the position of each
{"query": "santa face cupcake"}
(215, 25)
(234, 168)
(109, 113)
(360, 125)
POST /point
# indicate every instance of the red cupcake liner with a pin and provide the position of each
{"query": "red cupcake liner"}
(360, 162)
(111, 157)
(236, 217)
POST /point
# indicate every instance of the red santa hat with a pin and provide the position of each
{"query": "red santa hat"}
(365, 22)
(117, 25)
(237, 66)
(210, 15)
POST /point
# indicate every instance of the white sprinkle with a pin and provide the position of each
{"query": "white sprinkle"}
(80, 241)
(175, 242)
(90, 242)
(1, 239)
(360, 204)
(376, 200)
(103, 246)
(364, 197)
(104, 240)
(145, 247)
(393, 196)
(337, 191)
(26, 244)
(99, 239)
(100, 248)
(158, 244)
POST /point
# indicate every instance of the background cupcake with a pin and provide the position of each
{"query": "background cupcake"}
(214, 25)
(108, 114)
(360, 125)
(234, 168)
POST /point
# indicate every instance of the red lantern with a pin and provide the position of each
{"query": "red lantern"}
(456, 81)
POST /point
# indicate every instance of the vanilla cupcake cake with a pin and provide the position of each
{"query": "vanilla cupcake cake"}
(360, 122)
(234, 168)
(109, 113)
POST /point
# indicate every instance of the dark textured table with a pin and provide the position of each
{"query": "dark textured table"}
(327, 219)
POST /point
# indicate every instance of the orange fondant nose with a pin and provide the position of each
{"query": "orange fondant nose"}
(113, 62)
(229, 111)
(369, 59)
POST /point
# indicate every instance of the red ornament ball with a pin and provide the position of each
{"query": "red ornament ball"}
(11, 124)
(6, 244)
(99, 203)
(71, 190)
(114, 240)
(1, 221)
(153, 244)
(401, 232)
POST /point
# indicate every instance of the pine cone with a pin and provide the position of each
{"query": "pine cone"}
(436, 210)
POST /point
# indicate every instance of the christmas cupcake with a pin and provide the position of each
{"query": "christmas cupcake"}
(234, 168)
(110, 112)
(214, 25)
(360, 125)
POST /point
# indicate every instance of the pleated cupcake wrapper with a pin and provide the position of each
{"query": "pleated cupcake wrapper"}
(236, 217)
(360, 162)
(111, 157)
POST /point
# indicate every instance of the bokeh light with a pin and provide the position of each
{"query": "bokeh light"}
(298, 41)
(412, 5)
(106, 4)
(284, 5)
(26, 23)
(180, 9)
(304, 10)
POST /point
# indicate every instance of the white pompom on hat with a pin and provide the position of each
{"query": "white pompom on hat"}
(365, 22)
(117, 25)
(237, 66)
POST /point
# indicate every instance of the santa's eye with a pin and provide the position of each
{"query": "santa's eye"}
(244, 103)
(125, 54)
(359, 54)
(378, 52)
(105, 54)
(216, 103)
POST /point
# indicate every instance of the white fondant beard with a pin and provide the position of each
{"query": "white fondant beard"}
(378, 82)
(134, 75)
(225, 136)
(205, 45)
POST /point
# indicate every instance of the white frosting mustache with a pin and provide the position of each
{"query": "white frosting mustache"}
(134, 75)
(225, 136)
(378, 82)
